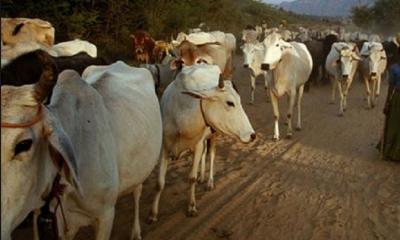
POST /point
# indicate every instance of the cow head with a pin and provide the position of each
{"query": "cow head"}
(375, 54)
(275, 47)
(33, 149)
(223, 111)
(249, 50)
(347, 55)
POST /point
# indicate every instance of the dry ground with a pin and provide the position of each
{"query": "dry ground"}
(325, 183)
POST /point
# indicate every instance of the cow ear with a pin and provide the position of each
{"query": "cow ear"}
(194, 94)
(356, 57)
(62, 152)
(355, 48)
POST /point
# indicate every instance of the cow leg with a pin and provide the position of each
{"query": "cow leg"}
(366, 81)
(137, 192)
(378, 86)
(266, 87)
(299, 101)
(203, 164)
(292, 100)
(341, 99)
(334, 86)
(160, 187)
(373, 94)
(104, 225)
(36, 214)
(192, 210)
(213, 148)
(253, 87)
(275, 108)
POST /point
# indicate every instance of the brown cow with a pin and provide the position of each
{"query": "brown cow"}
(143, 45)
(14, 30)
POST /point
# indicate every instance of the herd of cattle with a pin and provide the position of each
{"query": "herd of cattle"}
(104, 127)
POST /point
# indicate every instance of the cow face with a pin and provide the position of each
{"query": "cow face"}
(21, 151)
(223, 111)
(249, 51)
(346, 62)
(274, 46)
(375, 59)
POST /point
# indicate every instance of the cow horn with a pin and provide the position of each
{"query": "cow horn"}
(48, 77)
(221, 84)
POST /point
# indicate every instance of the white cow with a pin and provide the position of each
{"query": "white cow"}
(253, 56)
(372, 67)
(290, 65)
(103, 135)
(194, 105)
(74, 47)
(341, 65)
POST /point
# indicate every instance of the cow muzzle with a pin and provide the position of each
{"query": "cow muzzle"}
(345, 76)
(373, 75)
(246, 65)
(265, 66)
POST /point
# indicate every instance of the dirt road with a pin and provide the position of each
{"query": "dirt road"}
(325, 183)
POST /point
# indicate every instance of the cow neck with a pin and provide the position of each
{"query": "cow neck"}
(204, 117)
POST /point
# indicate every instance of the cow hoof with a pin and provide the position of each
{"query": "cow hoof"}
(289, 136)
(275, 139)
(251, 103)
(340, 114)
(151, 219)
(298, 129)
(192, 212)
(210, 186)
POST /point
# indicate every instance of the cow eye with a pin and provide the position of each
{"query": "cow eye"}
(230, 104)
(23, 146)
(277, 45)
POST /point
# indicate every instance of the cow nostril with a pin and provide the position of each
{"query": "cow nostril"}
(373, 74)
(345, 76)
(253, 136)
(246, 65)
(265, 66)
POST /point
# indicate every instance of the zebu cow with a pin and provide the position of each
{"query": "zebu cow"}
(341, 65)
(74, 47)
(14, 30)
(253, 54)
(372, 68)
(194, 105)
(143, 45)
(290, 65)
(103, 136)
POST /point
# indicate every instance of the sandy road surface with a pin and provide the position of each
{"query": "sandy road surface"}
(325, 183)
